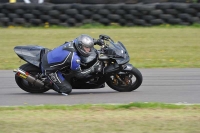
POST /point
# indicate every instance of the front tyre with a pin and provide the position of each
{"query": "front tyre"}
(126, 80)
(25, 85)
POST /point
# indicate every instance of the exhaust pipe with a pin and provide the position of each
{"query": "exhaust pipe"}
(26, 76)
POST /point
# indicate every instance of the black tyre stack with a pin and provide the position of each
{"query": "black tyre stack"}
(79, 14)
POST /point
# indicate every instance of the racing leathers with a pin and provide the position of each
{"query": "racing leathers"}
(59, 58)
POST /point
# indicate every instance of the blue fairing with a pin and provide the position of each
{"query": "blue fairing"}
(57, 55)
(75, 62)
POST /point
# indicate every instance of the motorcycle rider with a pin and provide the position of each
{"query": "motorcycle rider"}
(69, 55)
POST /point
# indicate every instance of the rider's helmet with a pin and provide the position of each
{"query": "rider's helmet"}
(84, 43)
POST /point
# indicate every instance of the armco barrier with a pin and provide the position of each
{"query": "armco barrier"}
(79, 14)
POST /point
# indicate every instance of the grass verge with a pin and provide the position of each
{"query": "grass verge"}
(133, 117)
(103, 106)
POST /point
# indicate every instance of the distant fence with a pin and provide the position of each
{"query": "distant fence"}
(106, 14)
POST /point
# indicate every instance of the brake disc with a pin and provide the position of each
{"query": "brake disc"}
(128, 80)
(115, 81)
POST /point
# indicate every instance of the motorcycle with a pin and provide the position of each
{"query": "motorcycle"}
(116, 72)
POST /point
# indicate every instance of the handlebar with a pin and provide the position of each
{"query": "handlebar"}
(101, 41)
(105, 37)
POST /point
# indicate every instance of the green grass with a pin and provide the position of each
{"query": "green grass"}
(149, 47)
(133, 117)
(103, 106)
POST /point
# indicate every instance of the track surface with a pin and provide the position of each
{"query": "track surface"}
(159, 85)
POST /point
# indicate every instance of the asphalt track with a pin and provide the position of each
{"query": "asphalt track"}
(159, 85)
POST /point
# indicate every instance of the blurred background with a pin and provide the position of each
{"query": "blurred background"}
(106, 12)
(97, 1)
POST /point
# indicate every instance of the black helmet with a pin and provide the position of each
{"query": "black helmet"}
(84, 41)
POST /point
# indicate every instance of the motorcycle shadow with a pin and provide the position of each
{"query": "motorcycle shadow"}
(92, 92)
(73, 93)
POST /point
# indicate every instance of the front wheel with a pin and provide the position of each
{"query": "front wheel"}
(126, 80)
(25, 85)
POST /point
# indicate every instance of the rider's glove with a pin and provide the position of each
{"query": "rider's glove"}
(99, 42)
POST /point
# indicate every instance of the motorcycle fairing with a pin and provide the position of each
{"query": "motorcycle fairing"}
(118, 52)
(111, 68)
(31, 53)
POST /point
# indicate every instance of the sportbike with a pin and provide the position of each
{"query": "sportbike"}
(116, 71)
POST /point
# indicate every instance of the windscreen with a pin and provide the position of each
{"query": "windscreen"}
(118, 52)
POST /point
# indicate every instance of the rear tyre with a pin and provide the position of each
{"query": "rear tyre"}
(25, 85)
(132, 79)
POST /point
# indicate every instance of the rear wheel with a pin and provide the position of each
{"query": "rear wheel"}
(126, 80)
(25, 85)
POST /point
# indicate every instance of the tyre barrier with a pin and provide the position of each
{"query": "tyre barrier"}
(114, 1)
(106, 14)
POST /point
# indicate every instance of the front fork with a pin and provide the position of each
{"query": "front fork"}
(126, 81)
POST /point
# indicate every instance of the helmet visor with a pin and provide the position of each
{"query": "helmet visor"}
(86, 49)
